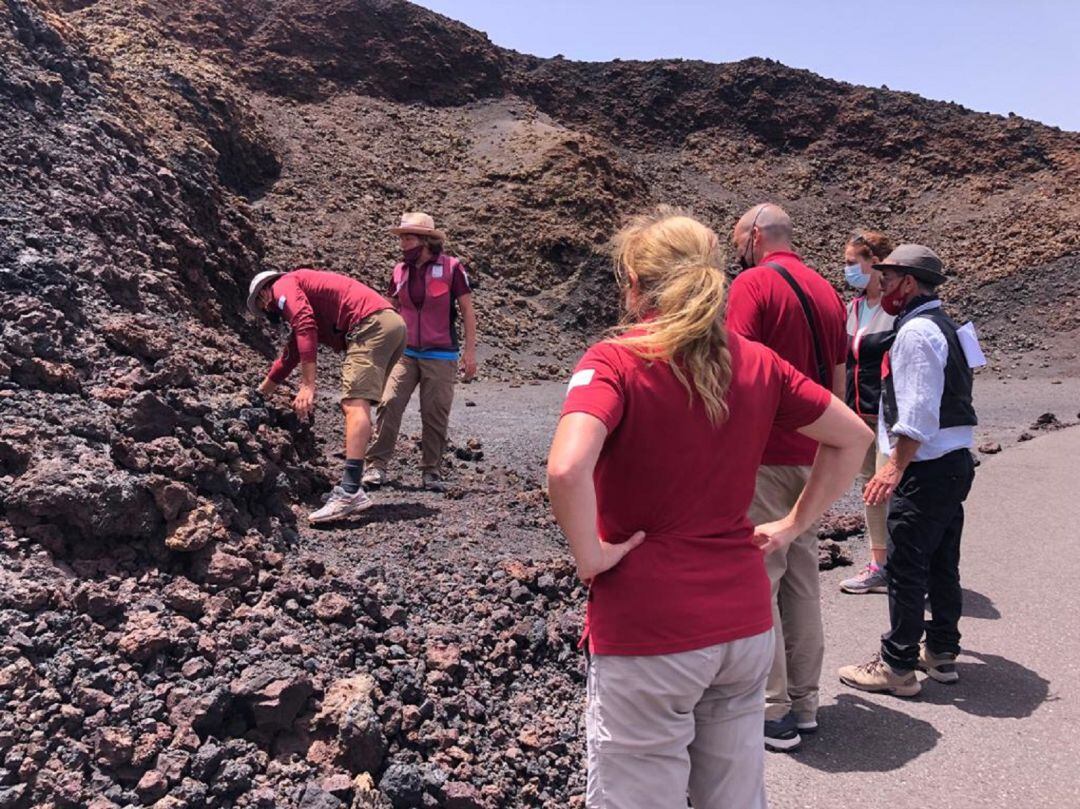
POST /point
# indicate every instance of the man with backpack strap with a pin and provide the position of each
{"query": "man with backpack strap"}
(926, 426)
(427, 287)
(778, 301)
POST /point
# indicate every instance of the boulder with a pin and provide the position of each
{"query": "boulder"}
(195, 529)
(145, 417)
(273, 694)
(347, 716)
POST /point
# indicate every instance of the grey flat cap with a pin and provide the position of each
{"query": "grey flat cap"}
(916, 260)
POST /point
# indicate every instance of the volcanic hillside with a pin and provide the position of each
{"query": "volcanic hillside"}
(330, 118)
(164, 639)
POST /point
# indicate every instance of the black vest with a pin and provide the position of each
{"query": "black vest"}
(956, 408)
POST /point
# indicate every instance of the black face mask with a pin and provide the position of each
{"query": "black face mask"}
(274, 316)
(747, 261)
(744, 262)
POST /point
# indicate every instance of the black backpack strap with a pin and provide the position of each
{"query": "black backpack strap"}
(823, 372)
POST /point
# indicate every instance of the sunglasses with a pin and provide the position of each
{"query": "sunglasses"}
(622, 278)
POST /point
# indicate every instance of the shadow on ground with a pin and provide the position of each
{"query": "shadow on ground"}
(993, 687)
(858, 735)
(976, 605)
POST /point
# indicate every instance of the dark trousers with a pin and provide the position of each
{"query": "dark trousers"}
(926, 518)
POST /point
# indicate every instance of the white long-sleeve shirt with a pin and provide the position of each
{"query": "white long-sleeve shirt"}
(917, 362)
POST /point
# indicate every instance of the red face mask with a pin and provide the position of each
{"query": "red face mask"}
(893, 302)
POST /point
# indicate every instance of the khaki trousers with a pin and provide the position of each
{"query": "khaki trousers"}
(796, 599)
(875, 515)
(436, 380)
(661, 726)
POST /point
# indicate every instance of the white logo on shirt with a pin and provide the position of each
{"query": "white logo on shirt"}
(281, 302)
(436, 271)
(580, 378)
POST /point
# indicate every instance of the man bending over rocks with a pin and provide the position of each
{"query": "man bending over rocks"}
(340, 312)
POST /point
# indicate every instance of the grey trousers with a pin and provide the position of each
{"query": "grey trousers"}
(659, 727)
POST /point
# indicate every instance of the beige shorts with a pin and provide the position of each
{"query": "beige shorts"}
(374, 346)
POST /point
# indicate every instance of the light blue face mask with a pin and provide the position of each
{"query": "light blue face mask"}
(856, 277)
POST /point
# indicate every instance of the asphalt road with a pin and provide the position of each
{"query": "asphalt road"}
(1003, 735)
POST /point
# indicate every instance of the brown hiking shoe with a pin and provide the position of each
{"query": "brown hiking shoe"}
(940, 666)
(433, 482)
(877, 675)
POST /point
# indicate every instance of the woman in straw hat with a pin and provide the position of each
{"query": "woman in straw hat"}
(651, 472)
(427, 287)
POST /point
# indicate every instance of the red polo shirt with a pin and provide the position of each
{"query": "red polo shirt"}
(762, 307)
(321, 307)
(667, 470)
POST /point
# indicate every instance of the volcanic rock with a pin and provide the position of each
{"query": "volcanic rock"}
(403, 785)
(273, 694)
(220, 568)
(145, 417)
(195, 529)
(97, 601)
(831, 554)
(333, 607)
(144, 636)
(458, 795)
(315, 798)
(347, 717)
(157, 155)
(151, 786)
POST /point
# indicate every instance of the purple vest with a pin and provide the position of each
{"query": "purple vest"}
(432, 324)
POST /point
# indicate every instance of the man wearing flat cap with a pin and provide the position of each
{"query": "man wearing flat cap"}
(926, 427)
(427, 287)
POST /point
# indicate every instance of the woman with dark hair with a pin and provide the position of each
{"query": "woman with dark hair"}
(650, 473)
(870, 333)
(427, 287)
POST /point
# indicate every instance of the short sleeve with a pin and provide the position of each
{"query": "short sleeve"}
(743, 315)
(840, 347)
(597, 386)
(459, 283)
(802, 401)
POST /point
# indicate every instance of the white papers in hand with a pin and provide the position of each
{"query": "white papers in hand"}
(969, 341)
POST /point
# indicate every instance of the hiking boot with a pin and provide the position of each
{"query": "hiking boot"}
(877, 675)
(941, 666)
(341, 504)
(374, 477)
(871, 580)
(433, 482)
(781, 735)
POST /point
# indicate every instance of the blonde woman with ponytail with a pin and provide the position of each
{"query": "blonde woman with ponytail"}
(651, 472)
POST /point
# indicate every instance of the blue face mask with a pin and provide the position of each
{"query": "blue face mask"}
(856, 277)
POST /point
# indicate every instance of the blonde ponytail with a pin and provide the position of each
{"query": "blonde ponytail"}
(676, 265)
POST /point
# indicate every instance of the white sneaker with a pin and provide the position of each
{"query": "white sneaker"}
(375, 477)
(341, 504)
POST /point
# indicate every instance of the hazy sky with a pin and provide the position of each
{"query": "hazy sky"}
(997, 56)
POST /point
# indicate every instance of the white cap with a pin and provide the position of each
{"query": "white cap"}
(257, 283)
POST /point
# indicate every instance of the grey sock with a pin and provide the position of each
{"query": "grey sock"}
(350, 479)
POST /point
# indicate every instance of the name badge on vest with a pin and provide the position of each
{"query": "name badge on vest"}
(436, 271)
